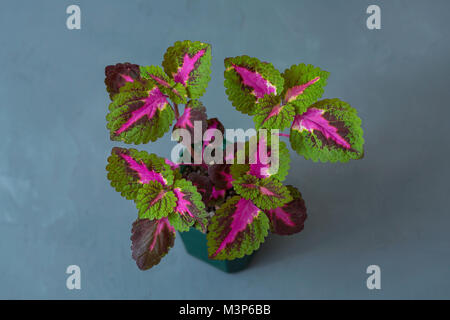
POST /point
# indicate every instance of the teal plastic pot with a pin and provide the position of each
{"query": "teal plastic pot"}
(196, 245)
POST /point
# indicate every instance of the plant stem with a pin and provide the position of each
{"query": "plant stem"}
(177, 113)
(284, 135)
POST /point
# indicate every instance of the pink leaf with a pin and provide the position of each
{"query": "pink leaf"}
(314, 120)
(182, 75)
(255, 81)
(155, 101)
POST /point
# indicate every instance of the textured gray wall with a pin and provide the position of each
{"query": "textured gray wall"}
(389, 209)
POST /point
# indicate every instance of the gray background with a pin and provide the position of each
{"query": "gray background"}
(389, 209)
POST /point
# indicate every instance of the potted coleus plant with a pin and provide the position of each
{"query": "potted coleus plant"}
(230, 197)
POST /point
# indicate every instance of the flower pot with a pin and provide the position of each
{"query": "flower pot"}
(196, 245)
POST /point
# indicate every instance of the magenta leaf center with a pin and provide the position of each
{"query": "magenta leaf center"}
(254, 80)
(313, 120)
(155, 100)
(182, 76)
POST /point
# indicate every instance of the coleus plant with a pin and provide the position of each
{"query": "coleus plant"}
(235, 204)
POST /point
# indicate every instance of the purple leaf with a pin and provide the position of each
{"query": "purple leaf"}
(220, 175)
(203, 184)
(118, 75)
(151, 240)
(193, 112)
(217, 194)
(289, 218)
(212, 123)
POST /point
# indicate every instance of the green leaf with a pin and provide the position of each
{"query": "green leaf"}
(178, 222)
(330, 130)
(189, 208)
(153, 201)
(189, 63)
(139, 113)
(266, 193)
(303, 85)
(271, 113)
(175, 91)
(284, 160)
(238, 170)
(237, 229)
(129, 169)
(248, 80)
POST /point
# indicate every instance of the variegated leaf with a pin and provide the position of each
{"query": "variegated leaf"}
(129, 169)
(139, 113)
(189, 63)
(189, 207)
(249, 80)
(151, 241)
(330, 130)
(266, 193)
(175, 91)
(289, 218)
(303, 85)
(237, 229)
